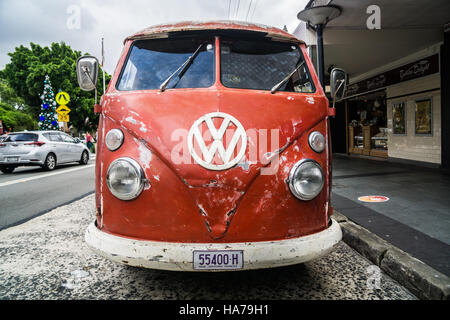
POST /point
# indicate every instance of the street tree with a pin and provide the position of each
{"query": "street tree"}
(15, 120)
(26, 74)
(13, 110)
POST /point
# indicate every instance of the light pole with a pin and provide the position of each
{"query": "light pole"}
(317, 18)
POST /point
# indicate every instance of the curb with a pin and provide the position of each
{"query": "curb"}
(421, 279)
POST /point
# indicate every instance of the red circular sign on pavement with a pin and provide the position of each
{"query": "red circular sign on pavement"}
(373, 199)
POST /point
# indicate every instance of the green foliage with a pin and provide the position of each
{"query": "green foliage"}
(11, 110)
(8, 95)
(26, 73)
(16, 120)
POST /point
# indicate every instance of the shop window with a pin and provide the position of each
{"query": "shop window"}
(423, 117)
(368, 125)
(399, 118)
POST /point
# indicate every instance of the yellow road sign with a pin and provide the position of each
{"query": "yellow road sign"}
(63, 118)
(63, 110)
(62, 98)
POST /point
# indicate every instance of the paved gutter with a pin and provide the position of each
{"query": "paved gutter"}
(421, 279)
(431, 251)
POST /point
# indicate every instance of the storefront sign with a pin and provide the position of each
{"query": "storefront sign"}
(410, 71)
(373, 199)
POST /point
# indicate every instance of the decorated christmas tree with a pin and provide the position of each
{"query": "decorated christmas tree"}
(48, 119)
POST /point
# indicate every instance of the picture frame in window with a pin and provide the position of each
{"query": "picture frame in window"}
(424, 117)
(399, 118)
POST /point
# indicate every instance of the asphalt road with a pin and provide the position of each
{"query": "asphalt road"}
(31, 191)
(47, 258)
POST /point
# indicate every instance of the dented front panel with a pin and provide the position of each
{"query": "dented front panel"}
(183, 201)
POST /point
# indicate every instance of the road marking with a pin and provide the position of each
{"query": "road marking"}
(44, 175)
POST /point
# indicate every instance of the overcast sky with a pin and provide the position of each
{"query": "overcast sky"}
(47, 21)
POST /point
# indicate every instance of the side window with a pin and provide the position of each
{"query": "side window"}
(67, 138)
(301, 81)
(55, 137)
(51, 136)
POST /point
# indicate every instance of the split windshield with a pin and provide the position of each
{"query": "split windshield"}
(261, 65)
(244, 64)
(151, 62)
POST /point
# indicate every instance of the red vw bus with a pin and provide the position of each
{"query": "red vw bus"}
(213, 150)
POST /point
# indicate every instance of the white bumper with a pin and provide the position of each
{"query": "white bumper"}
(178, 256)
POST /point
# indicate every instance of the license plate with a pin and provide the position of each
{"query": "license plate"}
(218, 260)
(12, 159)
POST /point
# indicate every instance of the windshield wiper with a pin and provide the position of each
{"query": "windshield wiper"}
(279, 84)
(184, 67)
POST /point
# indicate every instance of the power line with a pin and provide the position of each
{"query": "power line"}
(254, 9)
(229, 6)
(249, 6)
(237, 9)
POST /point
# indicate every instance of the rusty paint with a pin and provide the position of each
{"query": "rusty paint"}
(163, 30)
(188, 203)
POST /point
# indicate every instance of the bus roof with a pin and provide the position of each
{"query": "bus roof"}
(163, 30)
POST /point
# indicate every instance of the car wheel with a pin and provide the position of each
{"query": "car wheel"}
(50, 162)
(7, 169)
(84, 157)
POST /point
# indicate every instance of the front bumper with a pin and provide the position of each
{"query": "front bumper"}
(178, 256)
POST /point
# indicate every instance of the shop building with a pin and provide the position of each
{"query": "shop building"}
(397, 101)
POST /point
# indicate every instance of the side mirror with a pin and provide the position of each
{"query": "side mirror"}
(77, 140)
(87, 72)
(338, 81)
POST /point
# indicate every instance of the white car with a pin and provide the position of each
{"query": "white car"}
(40, 148)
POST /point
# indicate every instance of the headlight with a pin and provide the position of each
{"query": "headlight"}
(316, 141)
(306, 179)
(125, 178)
(114, 139)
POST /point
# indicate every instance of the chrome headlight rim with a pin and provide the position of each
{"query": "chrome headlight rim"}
(311, 137)
(139, 172)
(112, 131)
(292, 175)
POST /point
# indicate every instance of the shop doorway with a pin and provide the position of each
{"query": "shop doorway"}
(338, 130)
(367, 125)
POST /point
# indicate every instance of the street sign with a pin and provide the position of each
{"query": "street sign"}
(63, 118)
(63, 110)
(62, 98)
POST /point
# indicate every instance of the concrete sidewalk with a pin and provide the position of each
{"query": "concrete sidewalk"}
(421, 279)
(416, 219)
(47, 258)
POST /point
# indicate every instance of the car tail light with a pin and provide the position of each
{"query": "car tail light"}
(35, 143)
(2, 144)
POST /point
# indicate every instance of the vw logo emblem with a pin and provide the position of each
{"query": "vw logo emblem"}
(217, 146)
